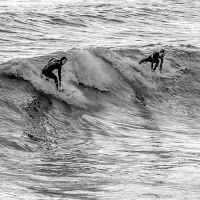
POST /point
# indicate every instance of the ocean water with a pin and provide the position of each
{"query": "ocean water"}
(117, 131)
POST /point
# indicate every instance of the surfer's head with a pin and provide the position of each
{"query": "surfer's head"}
(63, 60)
(162, 53)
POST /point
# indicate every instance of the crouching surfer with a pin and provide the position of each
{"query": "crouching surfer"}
(154, 58)
(51, 65)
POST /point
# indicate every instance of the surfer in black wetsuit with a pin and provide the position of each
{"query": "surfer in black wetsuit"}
(154, 58)
(53, 64)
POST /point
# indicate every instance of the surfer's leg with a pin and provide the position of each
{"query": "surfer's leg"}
(51, 75)
(54, 77)
(144, 60)
(156, 65)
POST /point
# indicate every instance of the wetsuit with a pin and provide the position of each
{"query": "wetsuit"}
(154, 58)
(48, 70)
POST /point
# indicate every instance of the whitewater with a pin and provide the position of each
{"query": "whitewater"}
(118, 131)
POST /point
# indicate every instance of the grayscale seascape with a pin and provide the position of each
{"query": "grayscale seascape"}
(118, 131)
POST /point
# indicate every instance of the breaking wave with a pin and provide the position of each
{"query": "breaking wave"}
(112, 72)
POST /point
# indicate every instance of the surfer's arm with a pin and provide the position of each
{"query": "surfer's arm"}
(152, 65)
(59, 75)
(161, 63)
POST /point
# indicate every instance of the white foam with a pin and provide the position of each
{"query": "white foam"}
(89, 70)
(129, 68)
(27, 71)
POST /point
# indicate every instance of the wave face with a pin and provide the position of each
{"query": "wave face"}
(113, 115)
